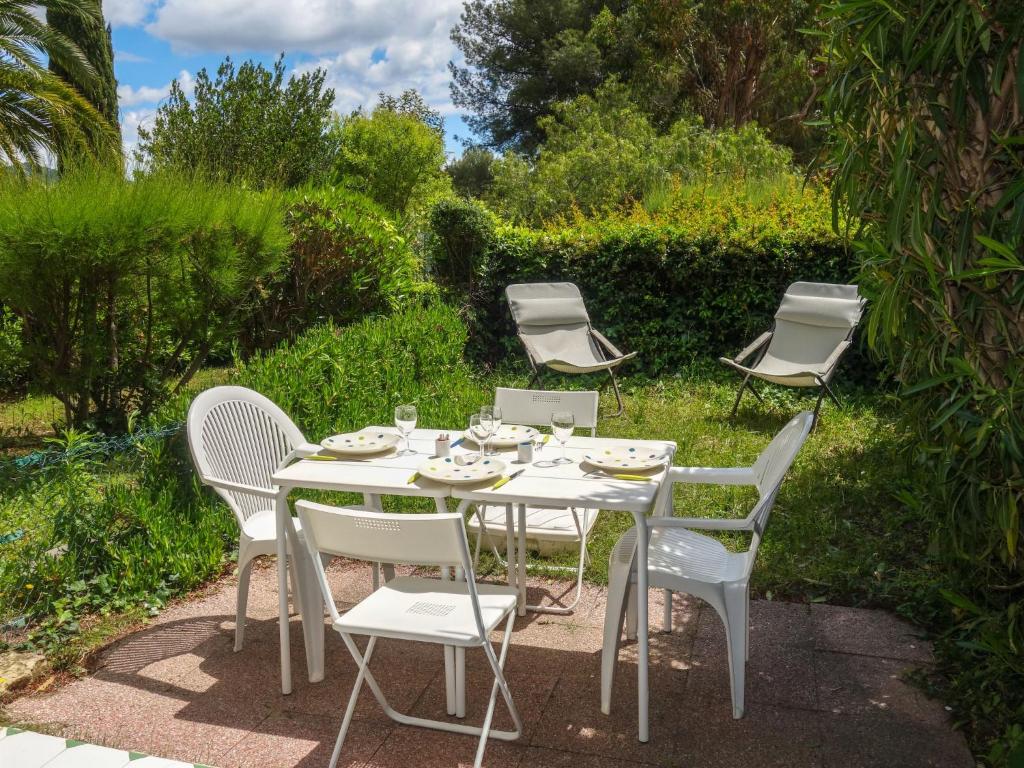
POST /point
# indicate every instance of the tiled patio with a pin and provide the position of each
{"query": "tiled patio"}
(824, 689)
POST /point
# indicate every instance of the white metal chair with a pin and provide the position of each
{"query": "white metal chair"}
(238, 438)
(450, 613)
(555, 330)
(543, 524)
(680, 560)
(814, 326)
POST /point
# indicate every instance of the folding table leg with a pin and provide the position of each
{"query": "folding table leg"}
(311, 604)
(521, 557)
(281, 510)
(510, 547)
(642, 626)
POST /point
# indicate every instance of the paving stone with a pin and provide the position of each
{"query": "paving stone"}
(867, 632)
(539, 757)
(296, 740)
(775, 674)
(771, 623)
(875, 741)
(408, 746)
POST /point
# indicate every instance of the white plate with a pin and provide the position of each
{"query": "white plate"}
(618, 458)
(509, 436)
(360, 442)
(447, 471)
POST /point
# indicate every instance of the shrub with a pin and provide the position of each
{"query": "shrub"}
(124, 287)
(13, 364)
(701, 286)
(334, 379)
(461, 231)
(347, 260)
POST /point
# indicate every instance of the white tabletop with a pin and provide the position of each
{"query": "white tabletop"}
(553, 485)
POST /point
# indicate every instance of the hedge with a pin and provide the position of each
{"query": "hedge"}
(701, 286)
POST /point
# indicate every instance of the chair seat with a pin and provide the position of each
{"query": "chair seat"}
(542, 523)
(262, 526)
(780, 372)
(428, 610)
(682, 554)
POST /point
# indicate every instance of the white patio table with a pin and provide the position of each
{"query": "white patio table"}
(560, 485)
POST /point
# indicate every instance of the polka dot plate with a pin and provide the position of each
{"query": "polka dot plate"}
(360, 442)
(509, 436)
(447, 471)
(618, 458)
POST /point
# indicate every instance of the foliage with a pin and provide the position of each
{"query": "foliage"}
(702, 283)
(124, 287)
(461, 231)
(729, 62)
(392, 155)
(93, 39)
(601, 155)
(926, 110)
(347, 260)
(473, 172)
(333, 380)
(13, 365)
(40, 113)
(245, 126)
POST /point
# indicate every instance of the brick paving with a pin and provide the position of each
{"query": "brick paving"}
(824, 688)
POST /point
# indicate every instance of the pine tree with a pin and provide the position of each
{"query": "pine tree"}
(94, 39)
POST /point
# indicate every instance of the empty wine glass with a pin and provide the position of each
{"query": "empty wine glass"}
(487, 428)
(405, 420)
(477, 433)
(492, 413)
(562, 425)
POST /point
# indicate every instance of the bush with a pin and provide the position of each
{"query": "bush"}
(334, 379)
(124, 287)
(461, 231)
(13, 364)
(347, 260)
(702, 286)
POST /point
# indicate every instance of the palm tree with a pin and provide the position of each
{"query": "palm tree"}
(40, 113)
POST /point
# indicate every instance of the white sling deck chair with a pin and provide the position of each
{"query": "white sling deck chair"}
(814, 326)
(555, 330)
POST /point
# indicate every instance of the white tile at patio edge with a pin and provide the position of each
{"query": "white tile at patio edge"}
(3, 732)
(158, 762)
(90, 756)
(26, 749)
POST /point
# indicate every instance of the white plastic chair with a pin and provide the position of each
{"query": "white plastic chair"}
(449, 613)
(543, 524)
(556, 332)
(814, 326)
(238, 439)
(680, 560)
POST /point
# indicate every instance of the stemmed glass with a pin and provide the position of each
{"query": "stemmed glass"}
(490, 420)
(478, 433)
(562, 425)
(405, 420)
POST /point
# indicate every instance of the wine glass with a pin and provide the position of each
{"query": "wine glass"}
(487, 428)
(562, 425)
(493, 413)
(405, 420)
(477, 433)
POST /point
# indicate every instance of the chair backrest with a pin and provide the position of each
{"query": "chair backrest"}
(813, 319)
(379, 537)
(773, 463)
(238, 435)
(553, 322)
(534, 407)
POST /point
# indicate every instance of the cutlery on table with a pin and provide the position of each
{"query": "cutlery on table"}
(459, 442)
(413, 479)
(507, 478)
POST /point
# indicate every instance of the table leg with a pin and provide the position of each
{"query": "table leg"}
(510, 547)
(310, 603)
(521, 557)
(454, 658)
(642, 626)
(281, 508)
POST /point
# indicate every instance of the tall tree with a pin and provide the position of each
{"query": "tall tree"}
(40, 113)
(245, 125)
(93, 38)
(730, 62)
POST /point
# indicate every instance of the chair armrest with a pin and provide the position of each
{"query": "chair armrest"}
(755, 345)
(606, 344)
(252, 490)
(712, 475)
(829, 365)
(703, 523)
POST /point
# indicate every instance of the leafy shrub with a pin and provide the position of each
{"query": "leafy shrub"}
(347, 260)
(461, 231)
(124, 287)
(701, 286)
(334, 379)
(13, 364)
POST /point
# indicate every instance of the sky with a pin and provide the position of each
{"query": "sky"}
(366, 46)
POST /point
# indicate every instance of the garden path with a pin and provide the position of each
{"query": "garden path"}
(824, 688)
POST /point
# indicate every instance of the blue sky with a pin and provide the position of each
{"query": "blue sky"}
(366, 46)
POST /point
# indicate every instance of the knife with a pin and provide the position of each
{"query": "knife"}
(507, 478)
(637, 478)
(319, 457)
(413, 479)
(458, 442)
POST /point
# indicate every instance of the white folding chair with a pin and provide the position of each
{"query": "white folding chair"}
(814, 326)
(543, 524)
(449, 613)
(555, 329)
(680, 560)
(238, 439)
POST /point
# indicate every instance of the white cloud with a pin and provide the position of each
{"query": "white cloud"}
(131, 120)
(413, 35)
(131, 58)
(126, 13)
(129, 96)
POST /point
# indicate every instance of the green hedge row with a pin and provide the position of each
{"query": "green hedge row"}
(702, 286)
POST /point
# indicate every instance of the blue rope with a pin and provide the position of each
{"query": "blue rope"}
(100, 446)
